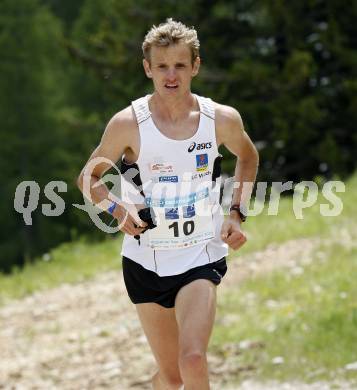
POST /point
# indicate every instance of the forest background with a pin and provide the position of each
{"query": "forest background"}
(66, 67)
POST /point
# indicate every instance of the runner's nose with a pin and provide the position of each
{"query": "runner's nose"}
(171, 75)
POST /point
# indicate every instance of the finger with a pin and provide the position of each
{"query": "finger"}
(225, 239)
(225, 231)
(141, 225)
(236, 239)
(237, 244)
(129, 232)
(134, 214)
(138, 231)
(126, 225)
(136, 221)
(134, 227)
(132, 230)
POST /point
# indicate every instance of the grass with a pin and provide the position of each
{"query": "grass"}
(308, 320)
(265, 229)
(68, 263)
(77, 261)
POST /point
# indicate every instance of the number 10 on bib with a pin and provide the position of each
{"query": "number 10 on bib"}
(182, 226)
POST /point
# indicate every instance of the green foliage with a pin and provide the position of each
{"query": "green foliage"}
(288, 67)
(67, 67)
(29, 96)
(66, 10)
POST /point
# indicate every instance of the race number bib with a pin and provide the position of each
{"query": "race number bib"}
(182, 222)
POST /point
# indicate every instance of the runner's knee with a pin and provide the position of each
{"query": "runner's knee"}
(192, 361)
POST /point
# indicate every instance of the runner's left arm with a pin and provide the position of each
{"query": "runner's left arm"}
(230, 132)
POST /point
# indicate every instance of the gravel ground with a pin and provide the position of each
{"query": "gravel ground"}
(87, 336)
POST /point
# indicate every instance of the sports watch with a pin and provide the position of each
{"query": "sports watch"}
(237, 208)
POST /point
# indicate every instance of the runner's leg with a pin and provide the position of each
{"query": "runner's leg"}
(195, 308)
(160, 327)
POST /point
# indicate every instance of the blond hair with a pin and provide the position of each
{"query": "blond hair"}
(170, 33)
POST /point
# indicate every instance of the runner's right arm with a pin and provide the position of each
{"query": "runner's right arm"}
(120, 136)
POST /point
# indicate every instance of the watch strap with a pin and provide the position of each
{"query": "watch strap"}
(112, 207)
(237, 208)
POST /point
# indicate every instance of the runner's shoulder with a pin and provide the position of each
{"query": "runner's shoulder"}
(123, 122)
(227, 116)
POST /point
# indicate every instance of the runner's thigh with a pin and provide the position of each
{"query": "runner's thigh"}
(160, 327)
(195, 311)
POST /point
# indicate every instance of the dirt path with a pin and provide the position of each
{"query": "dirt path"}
(87, 336)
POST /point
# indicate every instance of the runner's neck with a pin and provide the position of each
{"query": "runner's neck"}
(172, 110)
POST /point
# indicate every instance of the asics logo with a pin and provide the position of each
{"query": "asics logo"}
(201, 146)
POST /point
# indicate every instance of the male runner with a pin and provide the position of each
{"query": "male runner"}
(171, 272)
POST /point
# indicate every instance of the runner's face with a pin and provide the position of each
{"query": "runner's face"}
(171, 69)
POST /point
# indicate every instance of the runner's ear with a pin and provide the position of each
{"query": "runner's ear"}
(196, 66)
(147, 68)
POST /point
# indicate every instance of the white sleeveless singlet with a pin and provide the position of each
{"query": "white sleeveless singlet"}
(177, 183)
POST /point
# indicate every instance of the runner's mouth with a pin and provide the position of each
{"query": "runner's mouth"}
(169, 86)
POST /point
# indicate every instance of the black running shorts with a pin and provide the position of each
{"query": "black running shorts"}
(145, 286)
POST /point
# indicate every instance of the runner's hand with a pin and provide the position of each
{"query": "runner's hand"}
(128, 219)
(232, 234)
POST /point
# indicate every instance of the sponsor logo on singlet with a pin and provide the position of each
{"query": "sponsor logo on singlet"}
(168, 179)
(189, 211)
(161, 168)
(172, 213)
(201, 162)
(199, 146)
(200, 175)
